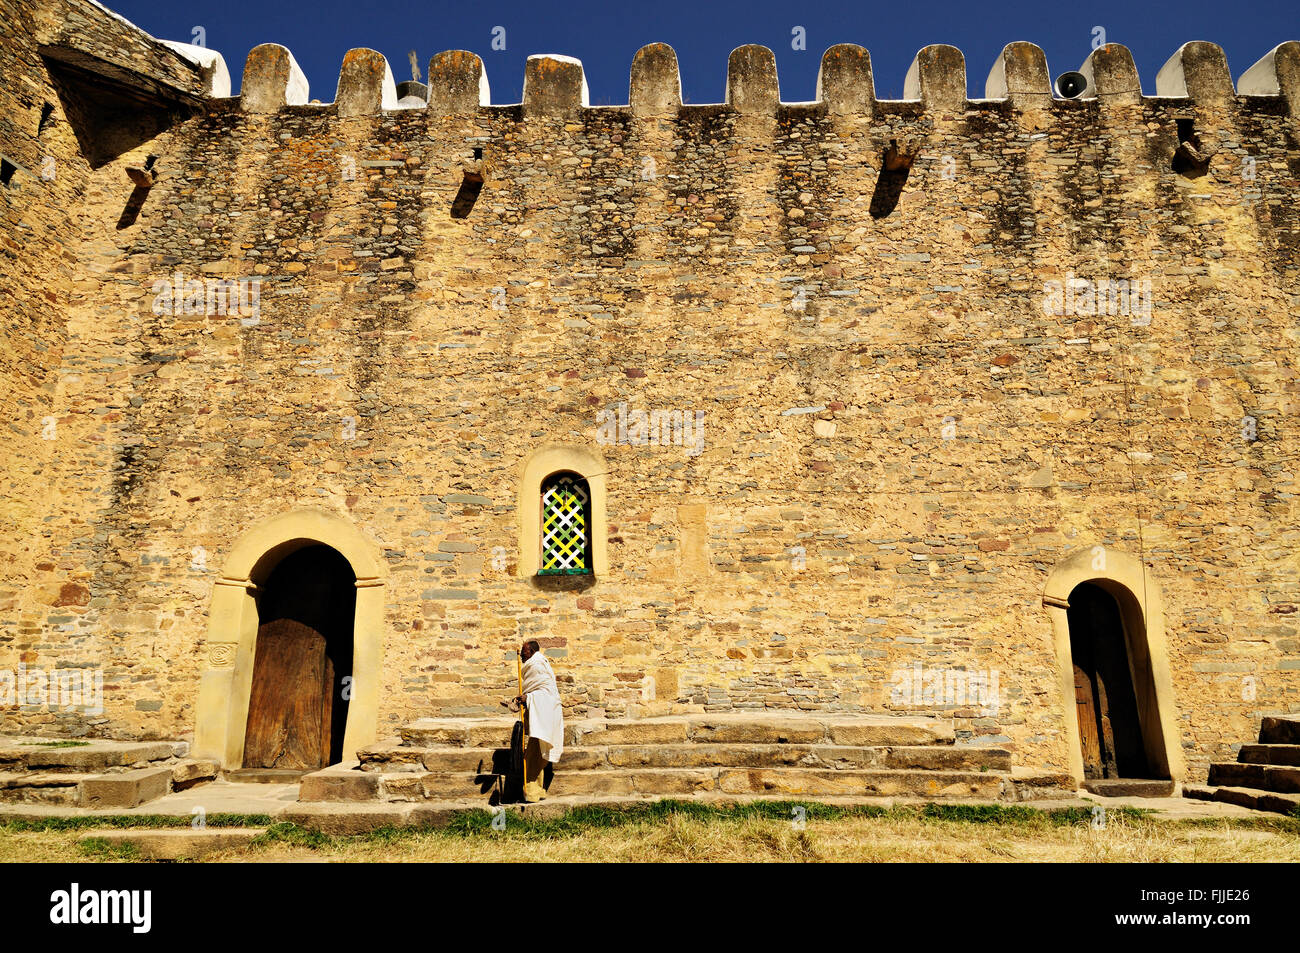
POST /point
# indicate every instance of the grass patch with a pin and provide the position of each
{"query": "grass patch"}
(127, 821)
(592, 817)
(293, 835)
(586, 819)
(54, 744)
(97, 848)
(1012, 814)
(689, 831)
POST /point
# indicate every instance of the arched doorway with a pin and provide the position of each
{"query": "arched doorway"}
(1110, 729)
(302, 669)
(1107, 615)
(244, 598)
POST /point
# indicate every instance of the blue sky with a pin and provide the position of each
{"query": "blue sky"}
(605, 35)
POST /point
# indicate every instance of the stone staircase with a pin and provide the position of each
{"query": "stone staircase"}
(97, 774)
(1265, 776)
(705, 756)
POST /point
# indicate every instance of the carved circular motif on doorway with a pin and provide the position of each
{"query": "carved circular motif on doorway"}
(221, 654)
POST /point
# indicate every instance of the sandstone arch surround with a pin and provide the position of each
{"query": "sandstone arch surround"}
(540, 464)
(1142, 610)
(230, 645)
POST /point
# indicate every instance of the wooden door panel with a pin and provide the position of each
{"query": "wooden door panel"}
(289, 705)
(1088, 734)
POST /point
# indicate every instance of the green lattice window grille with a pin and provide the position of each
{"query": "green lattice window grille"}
(566, 526)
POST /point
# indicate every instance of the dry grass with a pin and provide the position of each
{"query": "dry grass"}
(675, 836)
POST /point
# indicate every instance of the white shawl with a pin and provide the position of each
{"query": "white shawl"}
(545, 718)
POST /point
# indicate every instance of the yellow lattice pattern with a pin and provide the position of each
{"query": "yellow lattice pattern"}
(564, 526)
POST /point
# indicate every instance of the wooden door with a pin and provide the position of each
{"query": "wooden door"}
(290, 706)
(1110, 732)
(1089, 736)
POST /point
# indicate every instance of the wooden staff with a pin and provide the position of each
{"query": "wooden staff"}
(520, 663)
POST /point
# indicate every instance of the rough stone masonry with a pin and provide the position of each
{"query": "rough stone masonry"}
(942, 348)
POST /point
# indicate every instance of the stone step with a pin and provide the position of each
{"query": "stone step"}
(32, 754)
(352, 818)
(1129, 787)
(126, 789)
(457, 732)
(753, 755)
(724, 728)
(1263, 777)
(1246, 797)
(1280, 731)
(264, 775)
(1041, 784)
(411, 786)
(40, 787)
(797, 781)
(177, 844)
(1270, 754)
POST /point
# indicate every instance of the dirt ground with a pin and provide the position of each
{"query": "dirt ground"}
(672, 836)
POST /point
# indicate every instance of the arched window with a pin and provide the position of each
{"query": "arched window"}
(566, 526)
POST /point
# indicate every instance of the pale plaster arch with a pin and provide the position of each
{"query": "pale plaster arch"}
(1143, 613)
(540, 464)
(230, 645)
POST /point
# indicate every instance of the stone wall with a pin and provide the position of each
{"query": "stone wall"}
(900, 443)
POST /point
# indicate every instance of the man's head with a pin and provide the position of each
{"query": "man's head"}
(529, 649)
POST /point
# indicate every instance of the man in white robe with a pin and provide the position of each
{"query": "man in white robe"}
(544, 724)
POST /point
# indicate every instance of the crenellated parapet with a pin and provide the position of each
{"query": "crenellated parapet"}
(1197, 71)
(937, 77)
(844, 81)
(1020, 75)
(458, 83)
(365, 84)
(272, 80)
(655, 88)
(556, 86)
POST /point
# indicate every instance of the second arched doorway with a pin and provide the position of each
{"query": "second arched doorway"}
(1105, 689)
(1121, 724)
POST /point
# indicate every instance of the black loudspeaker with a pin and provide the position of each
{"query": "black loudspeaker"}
(1071, 85)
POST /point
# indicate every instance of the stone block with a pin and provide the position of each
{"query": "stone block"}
(590, 783)
(948, 758)
(937, 77)
(344, 819)
(125, 789)
(680, 781)
(751, 81)
(272, 80)
(333, 784)
(862, 732)
(440, 786)
(659, 732)
(1270, 754)
(844, 81)
(181, 844)
(655, 88)
(458, 84)
(366, 84)
(191, 771)
(554, 86)
(1111, 75)
(1279, 731)
(1199, 71)
(1020, 75)
(770, 730)
(41, 788)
